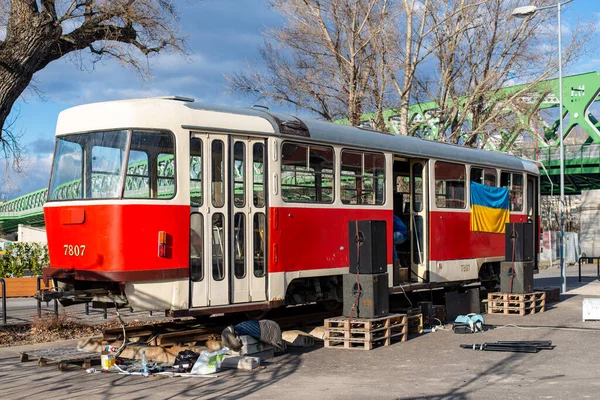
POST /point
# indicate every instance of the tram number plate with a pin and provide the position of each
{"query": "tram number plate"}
(465, 267)
(74, 250)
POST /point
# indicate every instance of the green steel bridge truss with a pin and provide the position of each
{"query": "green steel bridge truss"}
(582, 160)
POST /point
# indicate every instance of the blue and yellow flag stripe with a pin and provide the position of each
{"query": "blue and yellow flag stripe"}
(489, 208)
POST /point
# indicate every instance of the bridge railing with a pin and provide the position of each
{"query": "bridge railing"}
(26, 202)
(572, 152)
(552, 154)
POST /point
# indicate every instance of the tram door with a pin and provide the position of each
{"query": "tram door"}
(418, 220)
(248, 224)
(223, 220)
(533, 211)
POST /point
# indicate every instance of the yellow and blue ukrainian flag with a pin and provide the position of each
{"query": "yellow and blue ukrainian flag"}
(489, 208)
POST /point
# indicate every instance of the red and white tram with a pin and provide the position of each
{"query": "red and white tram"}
(167, 204)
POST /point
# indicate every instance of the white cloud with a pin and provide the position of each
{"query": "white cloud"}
(34, 177)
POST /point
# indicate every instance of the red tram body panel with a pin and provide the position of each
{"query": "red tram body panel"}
(314, 238)
(452, 239)
(120, 241)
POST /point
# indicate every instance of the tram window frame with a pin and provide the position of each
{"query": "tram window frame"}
(294, 168)
(239, 200)
(217, 218)
(108, 155)
(446, 166)
(258, 196)
(83, 182)
(197, 201)
(512, 191)
(484, 174)
(217, 194)
(348, 173)
(154, 152)
(259, 261)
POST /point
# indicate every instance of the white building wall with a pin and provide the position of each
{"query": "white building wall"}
(30, 234)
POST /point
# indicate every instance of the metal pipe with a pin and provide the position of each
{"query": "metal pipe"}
(563, 267)
(3, 300)
(39, 301)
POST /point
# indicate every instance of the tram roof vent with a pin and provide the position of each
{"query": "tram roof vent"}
(177, 98)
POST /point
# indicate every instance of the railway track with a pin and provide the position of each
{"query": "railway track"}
(188, 331)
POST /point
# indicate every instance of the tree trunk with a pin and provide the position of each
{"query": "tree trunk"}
(26, 49)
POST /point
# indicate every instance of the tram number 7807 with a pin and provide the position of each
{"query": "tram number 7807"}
(74, 250)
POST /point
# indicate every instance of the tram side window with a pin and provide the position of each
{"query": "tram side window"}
(107, 164)
(449, 185)
(196, 172)
(362, 178)
(514, 182)
(151, 166)
(137, 183)
(166, 175)
(218, 173)
(485, 176)
(306, 173)
(67, 169)
(196, 247)
(258, 175)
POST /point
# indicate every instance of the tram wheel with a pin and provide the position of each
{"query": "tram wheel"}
(331, 305)
(256, 314)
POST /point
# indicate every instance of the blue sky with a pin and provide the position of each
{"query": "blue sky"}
(222, 36)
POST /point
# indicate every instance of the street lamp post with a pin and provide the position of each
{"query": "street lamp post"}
(524, 12)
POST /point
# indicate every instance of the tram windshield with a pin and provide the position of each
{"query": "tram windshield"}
(113, 165)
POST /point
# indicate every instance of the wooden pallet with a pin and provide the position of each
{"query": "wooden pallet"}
(365, 333)
(516, 304)
(62, 357)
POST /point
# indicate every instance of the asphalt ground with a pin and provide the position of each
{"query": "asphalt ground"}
(427, 366)
(24, 310)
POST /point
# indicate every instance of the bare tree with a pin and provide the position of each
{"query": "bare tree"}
(38, 32)
(481, 51)
(323, 59)
(341, 58)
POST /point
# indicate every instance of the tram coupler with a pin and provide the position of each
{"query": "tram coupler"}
(47, 295)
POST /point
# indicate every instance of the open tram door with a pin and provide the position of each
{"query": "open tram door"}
(227, 219)
(419, 224)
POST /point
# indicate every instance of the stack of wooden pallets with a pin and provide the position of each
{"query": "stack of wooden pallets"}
(516, 304)
(365, 333)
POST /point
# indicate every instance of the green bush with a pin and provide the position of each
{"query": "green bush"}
(21, 258)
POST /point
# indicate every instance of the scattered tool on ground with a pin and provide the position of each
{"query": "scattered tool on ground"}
(512, 346)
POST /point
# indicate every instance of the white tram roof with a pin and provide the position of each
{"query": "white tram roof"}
(167, 113)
